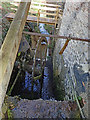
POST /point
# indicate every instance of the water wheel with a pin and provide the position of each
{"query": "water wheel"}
(40, 54)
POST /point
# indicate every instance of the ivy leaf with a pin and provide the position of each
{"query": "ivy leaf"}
(19, 54)
(79, 98)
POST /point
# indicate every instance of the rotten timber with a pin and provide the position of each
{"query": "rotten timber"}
(10, 47)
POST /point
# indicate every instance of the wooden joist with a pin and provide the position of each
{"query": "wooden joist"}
(10, 47)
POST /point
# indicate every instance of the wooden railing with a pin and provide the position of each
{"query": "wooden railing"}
(49, 11)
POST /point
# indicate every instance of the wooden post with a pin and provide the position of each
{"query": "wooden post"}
(64, 47)
(10, 47)
(10, 91)
(57, 14)
(38, 17)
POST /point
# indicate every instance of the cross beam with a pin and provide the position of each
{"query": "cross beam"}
(56, 36)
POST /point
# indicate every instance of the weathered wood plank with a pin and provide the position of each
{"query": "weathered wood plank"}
(43, 8)
(43, 18)
(36, 11)
(45, 13)
(10, 47)
(38, 3)
(11, 16)
(45, 4)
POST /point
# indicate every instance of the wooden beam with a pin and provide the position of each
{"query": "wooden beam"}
(56, 18)
(56, 36)
(45, 4)
(11, 16)
(10, 47)
(47, 18)
(38, 3)
(15, 4)
(64, 47)
(35, 11)
(45, 13)
(43, 8)
(38, 17)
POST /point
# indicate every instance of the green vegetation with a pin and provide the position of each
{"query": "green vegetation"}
(9, 113)
(52, 44)
(48, 57)
(58, 88)
(49, 28)
(37, 29)
(58, 81)
(78, 97)
(8, 7)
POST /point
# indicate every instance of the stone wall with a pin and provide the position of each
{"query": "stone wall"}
(75, 57)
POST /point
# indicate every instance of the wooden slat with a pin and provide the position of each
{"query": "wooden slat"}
(43, 8)
(56, 17)
(38, 17)
(11, 16)
(45, 4)
(10, 47)
(15, 4)
(45, 13)
(37, 3)
(47, 18)
(32, 11)
(14, 9)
